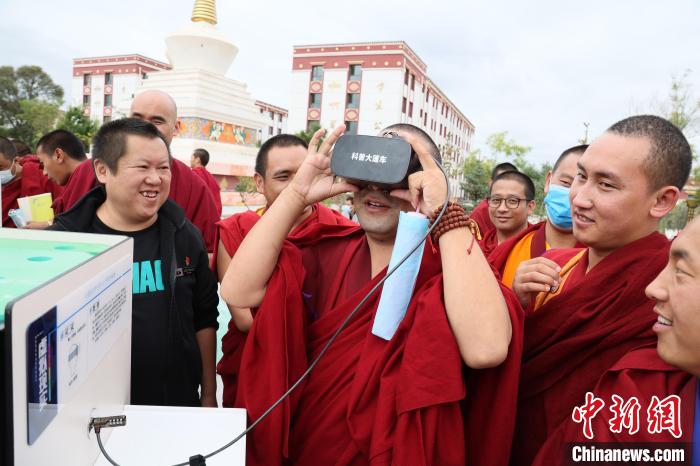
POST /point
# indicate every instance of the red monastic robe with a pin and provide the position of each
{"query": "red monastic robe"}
(480, 214)
(576, 333)
(231, 232)
(368, 401)
(212, 184)
(186, 189)
(640, 373)
(32, 182)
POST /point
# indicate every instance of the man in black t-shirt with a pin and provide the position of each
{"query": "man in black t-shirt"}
(174, 317)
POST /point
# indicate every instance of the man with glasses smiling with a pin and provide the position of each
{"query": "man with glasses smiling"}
(511, 201)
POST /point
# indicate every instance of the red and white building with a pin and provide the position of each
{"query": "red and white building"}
(275, 120)
(370, 85)
(105, 86)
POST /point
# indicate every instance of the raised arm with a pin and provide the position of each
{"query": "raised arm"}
(476, 308)
(259, 251)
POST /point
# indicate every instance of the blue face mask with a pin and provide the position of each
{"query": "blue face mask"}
(558, 206)
(398, 288)
(6, 175)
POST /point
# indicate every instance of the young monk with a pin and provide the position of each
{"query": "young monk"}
(511, 201)
(555, 232)
(277, 161)
(670, 367)
(587, 307)
(198, 163)
(480, 213)
(370, 400)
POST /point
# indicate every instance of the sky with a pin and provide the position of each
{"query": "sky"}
(536, 69)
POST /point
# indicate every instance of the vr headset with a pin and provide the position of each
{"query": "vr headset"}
(384, 161)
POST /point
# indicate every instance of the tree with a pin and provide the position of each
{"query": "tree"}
(307, 134)
(246, 187)
(75, 121)
(476, 175)
(29, 102)
(499, 144)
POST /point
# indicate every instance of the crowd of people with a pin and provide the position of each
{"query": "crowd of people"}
(519, 340)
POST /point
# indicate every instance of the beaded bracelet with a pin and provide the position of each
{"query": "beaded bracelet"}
(454, 217)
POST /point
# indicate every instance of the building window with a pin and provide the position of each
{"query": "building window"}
(86, 79)
(353, 101)
(108, 100)
(269, 130)
(355, 72)
(108, 79)
(425, 119)
(86, 101)
(405, 77)
(279, 130)
(272, 116)
(410, 110)
(317, 73)
(314, 100)
(403, 105)
(350, 127)
(107, 119)
(279, 118)
(413, 81)
(144, 76)
(427, 96)
(262, 110)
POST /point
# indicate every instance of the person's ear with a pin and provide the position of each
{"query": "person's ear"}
(547, 180)
(178, 127)
(530, 207)
(665, 200)
(101, 170)
(259, 183)
(59, 155)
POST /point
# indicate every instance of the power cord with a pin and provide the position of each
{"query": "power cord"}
(199, 460)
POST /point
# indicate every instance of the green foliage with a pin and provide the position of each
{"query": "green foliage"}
(306, 135)
(676, 219)
(35, 118)
(29, 102)
(246, 186)
(75, 121)
(499, 144)
(476, 174)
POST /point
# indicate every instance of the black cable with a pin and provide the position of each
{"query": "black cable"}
(102, 448)
(337, 332)
(327, 345)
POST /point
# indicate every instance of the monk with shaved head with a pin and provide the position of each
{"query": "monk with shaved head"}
(186, 189)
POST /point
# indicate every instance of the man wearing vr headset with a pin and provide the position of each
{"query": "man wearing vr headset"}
(399, 401)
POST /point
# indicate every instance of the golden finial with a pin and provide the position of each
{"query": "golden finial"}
(204, 10)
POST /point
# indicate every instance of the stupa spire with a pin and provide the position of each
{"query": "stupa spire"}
(204, 11)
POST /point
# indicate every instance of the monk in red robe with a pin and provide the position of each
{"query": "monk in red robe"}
(198, 163)
(591, 308)
(511, 201)
(20, 177)
(555, 232)
(186, 189)
(666, 369)
(276, 163)
(480, 213)
(369, 400)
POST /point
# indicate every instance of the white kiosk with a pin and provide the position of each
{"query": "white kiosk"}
(66, 338)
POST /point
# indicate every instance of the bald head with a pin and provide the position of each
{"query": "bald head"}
(159, 108)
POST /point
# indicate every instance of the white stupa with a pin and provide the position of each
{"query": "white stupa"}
(216, 113)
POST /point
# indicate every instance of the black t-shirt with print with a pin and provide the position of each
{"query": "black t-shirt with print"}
(150, 309)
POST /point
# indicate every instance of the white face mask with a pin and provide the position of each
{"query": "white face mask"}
(6, 175)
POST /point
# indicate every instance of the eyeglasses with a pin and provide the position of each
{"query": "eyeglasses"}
(511, 202)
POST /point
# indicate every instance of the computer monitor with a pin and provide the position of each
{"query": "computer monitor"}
(66, 341)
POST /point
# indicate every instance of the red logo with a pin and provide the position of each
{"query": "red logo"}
(187, 261)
